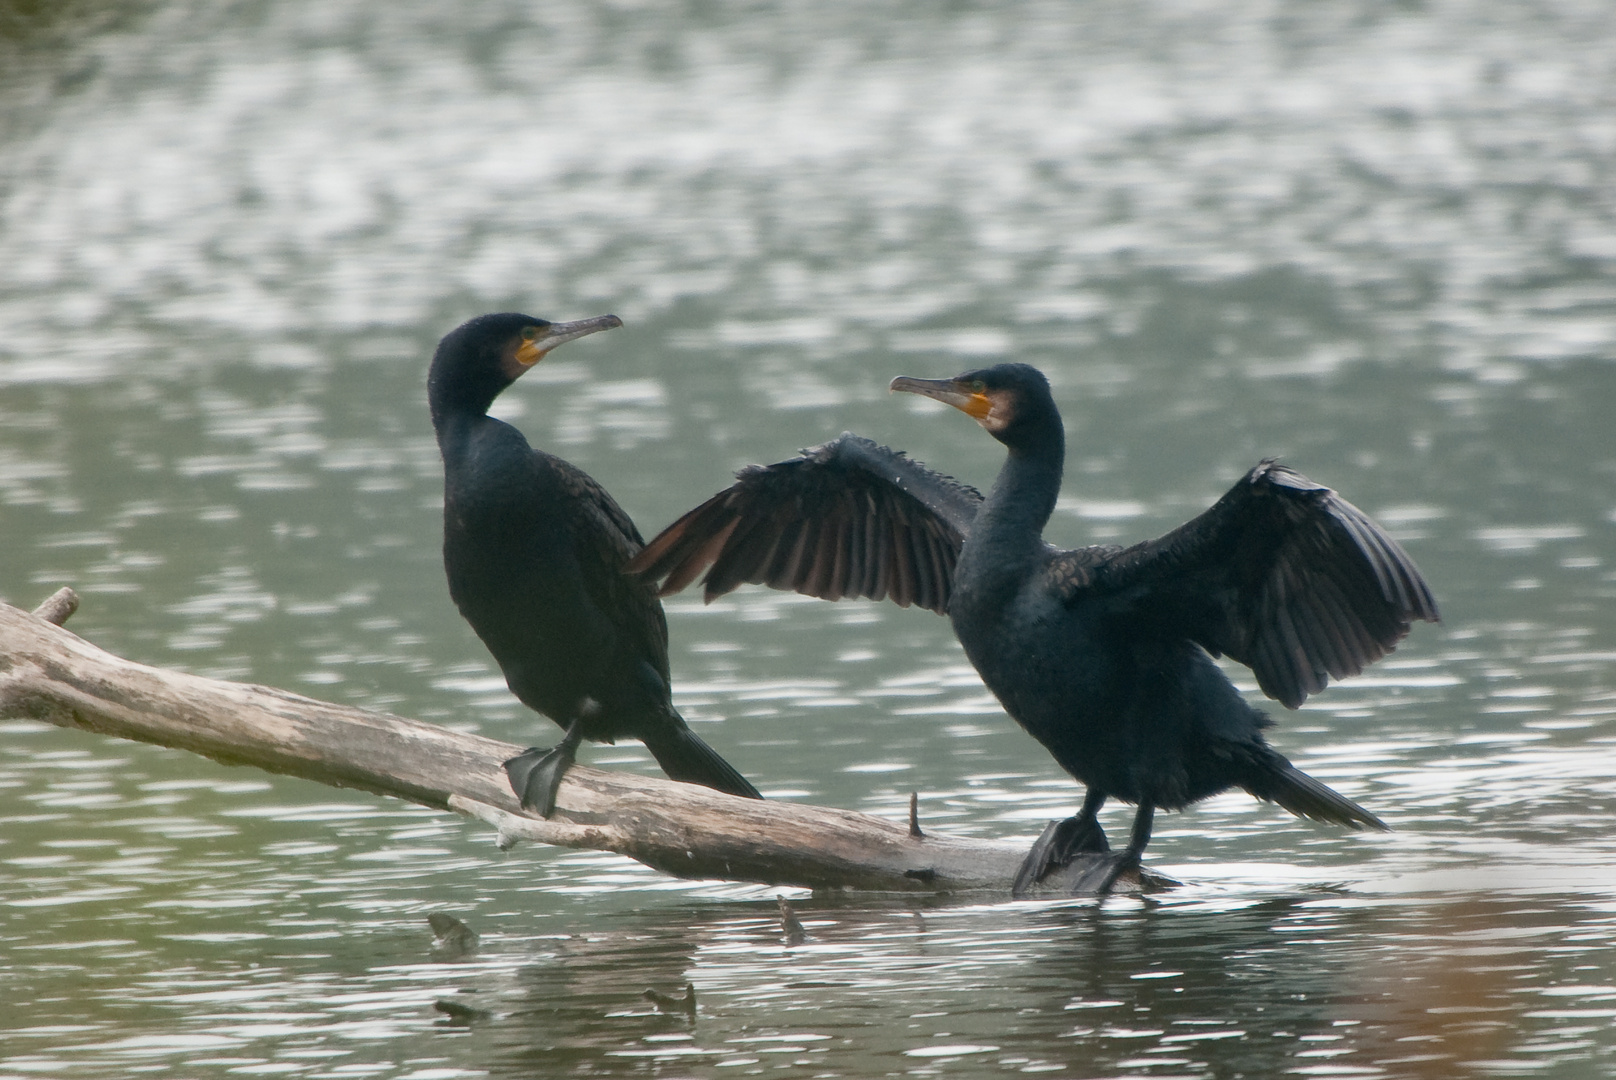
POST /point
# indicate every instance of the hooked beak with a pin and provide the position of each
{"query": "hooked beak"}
(531, 352)
(974, 404)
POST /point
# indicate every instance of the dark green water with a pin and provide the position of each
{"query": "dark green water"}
(1378, 241)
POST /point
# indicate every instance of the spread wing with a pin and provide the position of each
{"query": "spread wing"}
(849, 518)
(1280, 574)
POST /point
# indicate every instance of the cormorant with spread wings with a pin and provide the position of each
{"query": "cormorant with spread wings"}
(1104, 654)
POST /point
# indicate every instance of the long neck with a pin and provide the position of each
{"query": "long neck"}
(457, 396)
(460, 415)
(1023, 496)
(455, 430)
(459, 406)
(1008, 532)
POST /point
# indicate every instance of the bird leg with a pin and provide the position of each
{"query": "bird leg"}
(536, 773)
(1061, 842)
(1100, 878)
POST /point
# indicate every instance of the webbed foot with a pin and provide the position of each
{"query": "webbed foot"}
(536, 773)
(1101, 875)
(1056, 847)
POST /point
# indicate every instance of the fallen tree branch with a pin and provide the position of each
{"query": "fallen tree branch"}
(48, 673)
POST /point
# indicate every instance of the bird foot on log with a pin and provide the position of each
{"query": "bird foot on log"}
(1102, 873)
(1055, 849)
(536, 773)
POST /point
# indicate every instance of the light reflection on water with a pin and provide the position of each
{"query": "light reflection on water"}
(1380, 245)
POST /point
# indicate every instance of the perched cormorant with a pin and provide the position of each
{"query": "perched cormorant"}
(535, 552)
(1104, 654)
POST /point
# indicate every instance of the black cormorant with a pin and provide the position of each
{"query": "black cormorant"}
(535, 552)
(1103, 654)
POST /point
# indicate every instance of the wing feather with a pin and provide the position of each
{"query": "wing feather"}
(849, 518)
(832, 584)
(706, 552)
(1280, 574)
(903, 585)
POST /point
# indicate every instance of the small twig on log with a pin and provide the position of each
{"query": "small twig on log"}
(58, 607)
(48, 673)
(914, 817)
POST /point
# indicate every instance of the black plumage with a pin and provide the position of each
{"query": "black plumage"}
(535, 552)
(1104, 654)
(847, 519)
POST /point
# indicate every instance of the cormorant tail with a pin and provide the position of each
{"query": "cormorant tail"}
(1304, 796)
(683, 756)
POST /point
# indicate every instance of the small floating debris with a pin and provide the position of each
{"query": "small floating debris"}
(452, 938)
(789, 925)
(460, 1014)
(685, 1006)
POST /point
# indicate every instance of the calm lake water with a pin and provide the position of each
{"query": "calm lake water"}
(1376, 240)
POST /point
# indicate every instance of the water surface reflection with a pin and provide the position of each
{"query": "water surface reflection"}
(1207, 983)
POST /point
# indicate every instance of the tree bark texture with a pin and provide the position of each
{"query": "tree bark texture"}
(48, 673)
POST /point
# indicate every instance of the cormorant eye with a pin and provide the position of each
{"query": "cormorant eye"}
(978, 386)
(529, 333)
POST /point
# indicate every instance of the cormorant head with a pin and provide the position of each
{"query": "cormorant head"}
(478, 359)
(1012, 401)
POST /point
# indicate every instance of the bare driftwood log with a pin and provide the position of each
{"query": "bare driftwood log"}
(50, 674)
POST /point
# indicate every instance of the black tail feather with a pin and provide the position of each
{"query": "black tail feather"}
(683, 756)
(1304, 796)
